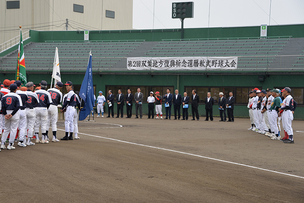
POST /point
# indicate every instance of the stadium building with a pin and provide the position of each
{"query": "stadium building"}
(273, 61)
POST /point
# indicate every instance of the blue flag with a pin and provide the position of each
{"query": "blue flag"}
(87, 92)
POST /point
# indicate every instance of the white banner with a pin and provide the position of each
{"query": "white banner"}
(181, 63)
(263, 30)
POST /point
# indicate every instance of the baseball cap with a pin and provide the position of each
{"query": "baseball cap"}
(157, 92)
(18, 83)
(258, 91)
(12, 81)
(29, 84)
(287, 89)
(276, 91)
(13, 87)
(7, 82)
(43, 82)
(100, 92)
(221, 93)
(59, 84)
(264, 91)
(23, 89)
(151, 92)
(68, 83)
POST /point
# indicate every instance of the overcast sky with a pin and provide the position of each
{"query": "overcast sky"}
(223, 13)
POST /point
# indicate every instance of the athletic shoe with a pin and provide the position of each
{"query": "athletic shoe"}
(98, 116)
(77, 138)
(276, 138)
(267, 133)
(21, 144)
(45, 142)
(55, 140)
(2, 146)
(37, 141)
(288, 141)
(10, 147)
(30, 144)
(250, 128)
(253, 129)
(156, 117)
(263, 132)
(161, 117)
(102, 116)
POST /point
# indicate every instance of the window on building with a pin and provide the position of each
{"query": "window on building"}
(110, 14)
(78, 8)
(297, 94)
(144, 89)
(12, 4)
(240, 93)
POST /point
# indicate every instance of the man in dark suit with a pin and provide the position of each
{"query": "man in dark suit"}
(209, 107)
(129, 103)
(168, 103)
(110, 101)
(195, 100)
(177, 101)
(222, 106)
(230, 107)
(185, 101)
(120, 103)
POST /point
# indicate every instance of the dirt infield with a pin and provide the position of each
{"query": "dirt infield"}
(157, 161)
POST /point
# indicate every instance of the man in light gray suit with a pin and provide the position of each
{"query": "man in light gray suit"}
(138, 99)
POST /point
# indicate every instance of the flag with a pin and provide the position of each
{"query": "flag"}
(20, 71)
(56, 69)
(87, 92)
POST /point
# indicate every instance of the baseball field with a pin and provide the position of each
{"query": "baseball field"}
(142, 160)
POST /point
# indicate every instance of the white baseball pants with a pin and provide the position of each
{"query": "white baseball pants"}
(266, 120)
(251, 116)
(158, 109)
(41, 119)
(69, 119)
(22, 125)
(10, 127)
(263, 126)
(100, 108)
(31, 119)
(1, 123)
(52, 118)
(256, 118)
(287, 118)
(75, 124)
(273, 121)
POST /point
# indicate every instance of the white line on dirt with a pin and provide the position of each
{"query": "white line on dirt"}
(190, 154)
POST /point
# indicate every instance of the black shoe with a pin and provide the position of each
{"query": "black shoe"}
(136, 117)
(65, 138)
(229, 121)
(288, 141)
(193, 119)
(206, 120)
(117, 116)
(108, 116)
(71, 137)
(175, 119)
(221, 120)
(183, 119)
(166, 118)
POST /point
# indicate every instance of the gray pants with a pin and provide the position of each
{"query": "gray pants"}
(139, 106)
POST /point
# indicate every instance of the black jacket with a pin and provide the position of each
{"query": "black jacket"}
(121, 99)
(185, 100)
(195, 100)
(129, 98)
(231, 102)
(222, 103)
(208, 105)
(177, 101)
(110, 97)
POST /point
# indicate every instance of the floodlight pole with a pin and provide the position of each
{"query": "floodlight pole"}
(182, 28)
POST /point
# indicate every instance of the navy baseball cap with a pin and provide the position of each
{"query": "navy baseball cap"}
(43, 82)
(18, 83)
(59, 84)
(68, 83)
(13, 87)
(264, 91)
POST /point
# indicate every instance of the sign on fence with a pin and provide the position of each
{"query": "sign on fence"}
(181, 63)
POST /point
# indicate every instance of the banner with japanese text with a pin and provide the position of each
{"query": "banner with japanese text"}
(181, 63)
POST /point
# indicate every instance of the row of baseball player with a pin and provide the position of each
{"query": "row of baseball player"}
(267, 108)
(25, 110)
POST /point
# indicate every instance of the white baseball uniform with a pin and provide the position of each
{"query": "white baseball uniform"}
(287, 115)
(31, 103)
(100, 100)
(22, 114)
(56, 97)
(255, 112)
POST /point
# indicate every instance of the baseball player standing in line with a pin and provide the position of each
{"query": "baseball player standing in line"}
(22, 114)
(42, 112)
(250, 111)
(10, 109)
(31, 104)
(268, 106)
(100, 104)
(4, 90)
(56, 97)
(276, 104)
(263, 128)
(69, 106)
(287, 114)
(1, 116)
(254, 105)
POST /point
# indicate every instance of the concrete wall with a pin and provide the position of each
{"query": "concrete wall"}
(52, 14)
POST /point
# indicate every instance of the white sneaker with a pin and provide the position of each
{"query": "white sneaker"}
(21, 144)
(2, 146)
(161, 117)
(156, 117)
(30, 144)
(37, 141)
(275, 137)
(102, 116)
(77, 138)
(253, 129)
(250, 128)
(10, 147)
(55, 140)
(267, 133)
(45, 142)
(263, 132)
(98, 116)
